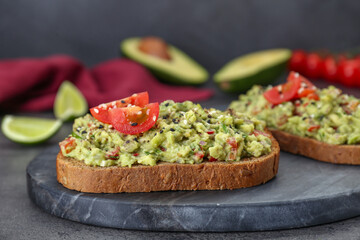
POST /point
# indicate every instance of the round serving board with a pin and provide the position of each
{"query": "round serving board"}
(304, 193)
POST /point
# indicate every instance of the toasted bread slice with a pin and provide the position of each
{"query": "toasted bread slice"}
(338, 154)
(76, 175)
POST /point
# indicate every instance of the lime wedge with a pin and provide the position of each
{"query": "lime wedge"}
(29, 130)
(69, 102)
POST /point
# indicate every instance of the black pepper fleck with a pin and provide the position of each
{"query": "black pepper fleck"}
(101, 126)
(84, 132)
(175, 121)
(122, 101)
(209, 116)
(136, 140)
(304, 118)
(127, 141)
(134, 124)
(161, 131)
(208, 121)
(171, 129)
(166, 104)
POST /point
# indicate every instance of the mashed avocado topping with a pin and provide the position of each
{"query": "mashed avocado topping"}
(334, 118)
(184, 133)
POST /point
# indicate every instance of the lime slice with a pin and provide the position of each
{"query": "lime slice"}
(69, 102)
(29, 130)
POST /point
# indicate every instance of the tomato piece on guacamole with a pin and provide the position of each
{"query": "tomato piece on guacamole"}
(296, 87)
(101, 112)
(306, 87)
(134, 120)
(283, 92)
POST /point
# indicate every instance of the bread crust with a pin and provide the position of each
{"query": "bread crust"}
(76, 175)
(338, 154)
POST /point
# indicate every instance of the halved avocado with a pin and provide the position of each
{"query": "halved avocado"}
(180, 69)
(261, 68)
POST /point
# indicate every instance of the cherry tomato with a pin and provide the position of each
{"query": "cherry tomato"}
(283, 92)
(349, 71)
(313, 65)
(329, 69)
(101, 112)
(297, 61)
(134, 120)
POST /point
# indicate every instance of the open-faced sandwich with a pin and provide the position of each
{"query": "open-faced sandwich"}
(131, 145)
(322, 124)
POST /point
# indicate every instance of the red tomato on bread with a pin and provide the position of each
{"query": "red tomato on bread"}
(296, 87)
(306, 87)
(101, 112)
(134, 120)
(283, 92)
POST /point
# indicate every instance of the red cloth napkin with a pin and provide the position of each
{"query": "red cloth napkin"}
(30, 84)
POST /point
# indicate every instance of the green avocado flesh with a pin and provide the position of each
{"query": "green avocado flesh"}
(261, 68)
(181, 69)
(333, 119)
(184, 133)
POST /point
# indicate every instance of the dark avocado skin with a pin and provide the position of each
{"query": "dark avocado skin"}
(263, 77)
(165, 76)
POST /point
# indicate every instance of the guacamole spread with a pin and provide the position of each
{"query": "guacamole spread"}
(184, 133)
(334, 118)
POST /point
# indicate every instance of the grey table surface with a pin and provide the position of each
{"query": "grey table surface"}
(21, 219)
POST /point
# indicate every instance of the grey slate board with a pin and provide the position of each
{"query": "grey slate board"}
(304, 193)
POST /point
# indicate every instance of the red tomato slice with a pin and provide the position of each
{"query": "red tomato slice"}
(134, 120)
(305, 92)
(283, 92)
(313, 96)
(306, 87)
(294, 76)
(101, 112)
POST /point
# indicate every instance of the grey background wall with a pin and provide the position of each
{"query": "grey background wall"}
(211, 31)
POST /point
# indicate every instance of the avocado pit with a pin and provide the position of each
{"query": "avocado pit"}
(155, 46)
